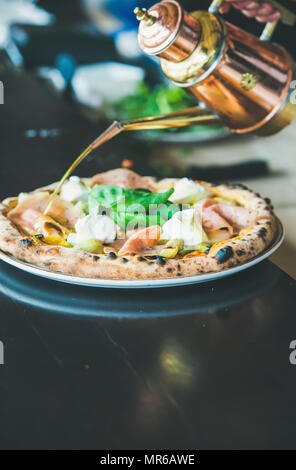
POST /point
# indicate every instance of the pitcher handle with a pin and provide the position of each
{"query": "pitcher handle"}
(287, 17)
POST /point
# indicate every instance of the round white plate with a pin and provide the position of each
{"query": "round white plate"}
(145, 283)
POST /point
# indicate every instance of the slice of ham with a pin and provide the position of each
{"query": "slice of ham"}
(239, 217)
(221, 219)
(122, 177)
(216, 227)
(26, 213)
(141, 239)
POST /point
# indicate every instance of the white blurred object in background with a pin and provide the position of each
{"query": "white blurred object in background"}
(53, 76)
(127, 45)
(22, 12)
(107, 82)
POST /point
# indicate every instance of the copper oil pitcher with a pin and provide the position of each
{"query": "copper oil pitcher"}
(245, 81)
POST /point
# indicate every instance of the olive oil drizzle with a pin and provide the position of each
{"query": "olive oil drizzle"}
(108, 134)
(189, 117)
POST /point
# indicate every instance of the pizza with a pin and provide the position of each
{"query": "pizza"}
(120, 225)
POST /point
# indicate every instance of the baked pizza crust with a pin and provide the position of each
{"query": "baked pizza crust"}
(76, 262)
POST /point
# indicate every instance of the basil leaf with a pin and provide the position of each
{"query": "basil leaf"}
(107, 195)
(132, 221)
(104, 195)
(167, 210)
(127, 207)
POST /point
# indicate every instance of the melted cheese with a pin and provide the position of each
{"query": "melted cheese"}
(187, 191)
(186, 226)
(93, 227)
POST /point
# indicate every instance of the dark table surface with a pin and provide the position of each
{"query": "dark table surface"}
(196, 367)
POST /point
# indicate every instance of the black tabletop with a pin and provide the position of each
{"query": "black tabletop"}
(197, 367)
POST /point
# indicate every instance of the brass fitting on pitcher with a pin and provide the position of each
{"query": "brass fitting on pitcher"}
(167, 31)
(143, 15)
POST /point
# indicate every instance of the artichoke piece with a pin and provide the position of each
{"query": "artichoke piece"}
(53, 232)
(54, 240)
(91, 246)
(49, 227)
(202, 247)
(175, 243)
(82, 207)
(169, 252)
(172, 248)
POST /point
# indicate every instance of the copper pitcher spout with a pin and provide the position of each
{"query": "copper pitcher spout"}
(187, 117)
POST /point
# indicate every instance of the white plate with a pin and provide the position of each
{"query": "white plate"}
(201, 134)
(143, 284)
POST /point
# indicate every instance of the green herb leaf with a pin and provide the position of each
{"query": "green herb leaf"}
(149, 102)
(131, 207)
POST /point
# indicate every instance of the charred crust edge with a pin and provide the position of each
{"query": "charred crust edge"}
(224, 254)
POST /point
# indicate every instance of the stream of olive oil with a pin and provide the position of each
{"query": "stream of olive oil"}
(188, 117)
(112, 131)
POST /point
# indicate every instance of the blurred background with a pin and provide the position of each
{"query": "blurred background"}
(70, 67)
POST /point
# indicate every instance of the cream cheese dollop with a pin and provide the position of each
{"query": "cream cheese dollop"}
(186, 191)
(73, 190)
(93, 227)
(186, 226)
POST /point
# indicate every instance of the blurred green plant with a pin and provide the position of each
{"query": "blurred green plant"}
(161, 99)
(149, 102)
